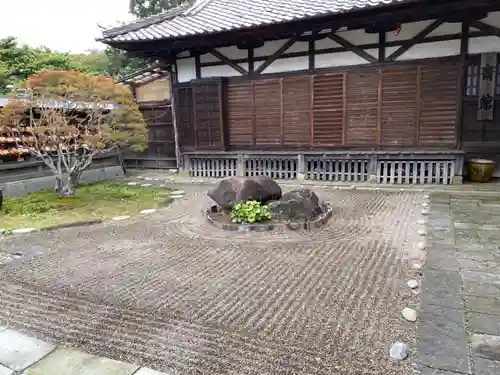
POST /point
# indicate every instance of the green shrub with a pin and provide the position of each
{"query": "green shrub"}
(249, 212)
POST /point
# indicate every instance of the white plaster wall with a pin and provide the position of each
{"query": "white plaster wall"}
(429, 50)
(187, 71)
(221, 71)
(484, 44)
(328, 60)
(288, 64)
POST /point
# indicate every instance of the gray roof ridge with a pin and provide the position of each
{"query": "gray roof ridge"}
(179, 10)
(197, 7)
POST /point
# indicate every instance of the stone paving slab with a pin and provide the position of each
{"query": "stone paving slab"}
(444, 258)
(19, 351)
(442, 288)
(486, 367)
(483, 305)
(73, 362)
(442, 341)
(433, 371)
(484, 323)
(486, 346)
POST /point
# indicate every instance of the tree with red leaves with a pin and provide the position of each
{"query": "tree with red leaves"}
(65, 118)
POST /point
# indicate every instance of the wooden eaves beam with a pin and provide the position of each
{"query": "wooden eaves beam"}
(276, 55)
(352, 48)
(419, 38)
(228, 61)
(486, 28)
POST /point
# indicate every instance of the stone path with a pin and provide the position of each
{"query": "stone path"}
(172, 293)
(20, 353)
(460, 315)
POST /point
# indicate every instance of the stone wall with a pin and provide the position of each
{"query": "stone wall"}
(31, 176)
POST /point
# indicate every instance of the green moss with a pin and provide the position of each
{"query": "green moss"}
(94, 201)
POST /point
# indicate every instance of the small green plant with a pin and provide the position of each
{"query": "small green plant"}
(6, 231)
(249, 212)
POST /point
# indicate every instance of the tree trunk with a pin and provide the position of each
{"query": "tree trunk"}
(59, 184)
(69, 189)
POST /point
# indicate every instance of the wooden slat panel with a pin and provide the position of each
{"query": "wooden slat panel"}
(208, 114)
(296, 118)
(185, 118)
(268, 111)
(399, 110)
(158, 118)
(328, 111)
(438, 104)
(240, 113)
(362, 103)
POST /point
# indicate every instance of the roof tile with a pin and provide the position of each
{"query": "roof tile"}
(212, 16)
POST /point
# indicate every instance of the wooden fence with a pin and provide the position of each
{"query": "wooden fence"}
(160, 153)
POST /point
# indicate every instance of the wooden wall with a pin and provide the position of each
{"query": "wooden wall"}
(480, 138)
(401, 106)
(474, 130)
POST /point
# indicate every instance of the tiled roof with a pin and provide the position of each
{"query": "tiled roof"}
(213, 16)
(146, 75)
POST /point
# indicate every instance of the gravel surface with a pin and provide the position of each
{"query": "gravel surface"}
(171, 292)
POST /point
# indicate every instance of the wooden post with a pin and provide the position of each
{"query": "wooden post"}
(464, 54)
(178, 155)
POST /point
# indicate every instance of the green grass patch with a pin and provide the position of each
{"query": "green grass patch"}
(95, 201)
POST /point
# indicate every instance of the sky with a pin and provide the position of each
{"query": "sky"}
(62, 25)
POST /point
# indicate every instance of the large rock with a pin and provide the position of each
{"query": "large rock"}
(301, 204)
(232, 190)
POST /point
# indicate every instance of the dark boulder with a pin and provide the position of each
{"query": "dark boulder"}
(301, 204)
(232, 190)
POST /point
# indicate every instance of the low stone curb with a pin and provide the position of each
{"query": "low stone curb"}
(294, 226)
(84, 223)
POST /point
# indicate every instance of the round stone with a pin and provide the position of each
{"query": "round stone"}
(416, 267)
(399, 351)
(426, 196)
(421, 222)
(421, 232)
(421, 245)
(157, 179)
(409, 314)
(145, 185)
(140, 177)
(425, 212)
(177, 192)
(177, 196)
(425, 204)
(23, 230)
(413, 283)
(415, 291)
(118, 218)
(401, 189)
(148, 211)
(132, 183)
(148, 179)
